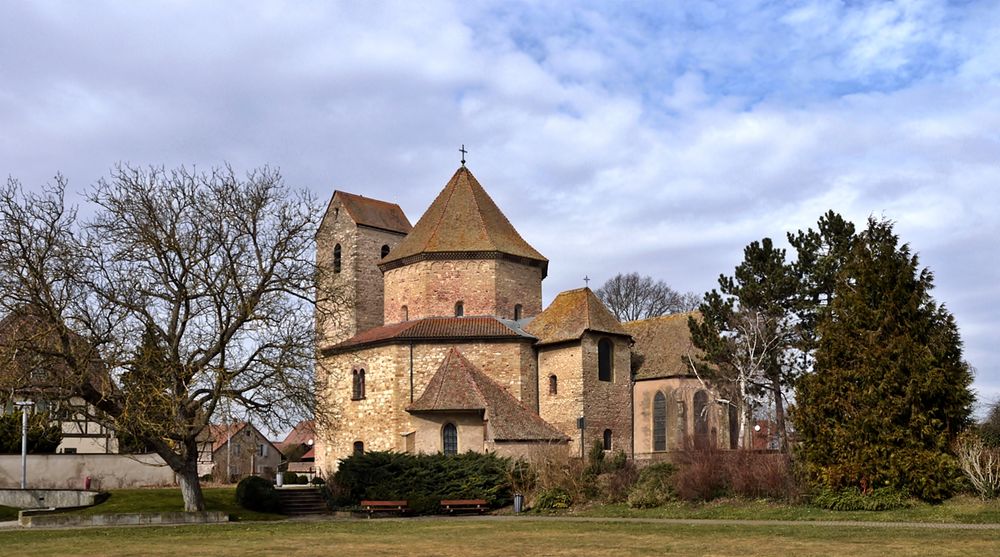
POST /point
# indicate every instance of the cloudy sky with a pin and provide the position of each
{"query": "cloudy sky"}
(656, 137)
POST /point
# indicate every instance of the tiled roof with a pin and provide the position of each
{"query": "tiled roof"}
(664, 342)
(572, 313)
(301, 434)
(463, 218)
(439, 328)
(373, 212)
(30, 360)
(459, 386)
(219, 434)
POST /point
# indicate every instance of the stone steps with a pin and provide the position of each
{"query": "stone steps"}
(299, 501)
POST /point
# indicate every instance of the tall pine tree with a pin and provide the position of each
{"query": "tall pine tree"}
(890, 390)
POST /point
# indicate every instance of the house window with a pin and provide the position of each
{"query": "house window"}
(605, 359)
(406, 313)
(385, 251)
(459, 309)
(659, 422)
(336, 258)
(69, 450)
(517, 312)
(261, 449)
(701, 420)
(607, 439)
(449, 439)
(553, 385)
(358, 383)
(359, 448)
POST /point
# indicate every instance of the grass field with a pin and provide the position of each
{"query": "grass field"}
(473, 536)
(170, 500)
(961, 509)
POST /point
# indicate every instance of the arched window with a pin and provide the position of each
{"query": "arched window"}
(358, 383)
(605, 359)
(659, 422)
(336, 258)
(459, 309)
(385, 251)
(517, 312)
(607, 439)
(700, 420)
(553, 385)
(406, 313)
(449, 439)
(359, 448)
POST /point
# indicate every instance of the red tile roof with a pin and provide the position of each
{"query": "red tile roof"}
(459, 386)
(438, 328)
(302, 434)
(366, 211)
(571, 314)
(463, 218)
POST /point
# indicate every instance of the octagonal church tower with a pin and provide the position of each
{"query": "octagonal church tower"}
(450, 367)
(463, 258)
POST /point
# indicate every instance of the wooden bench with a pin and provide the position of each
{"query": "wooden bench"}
(372, 507)
(462, 505)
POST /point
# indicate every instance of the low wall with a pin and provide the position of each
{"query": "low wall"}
(42, 498)
(32, 520)
(69, 471)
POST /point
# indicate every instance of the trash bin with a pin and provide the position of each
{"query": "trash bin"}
(518, 502)
(278, 478)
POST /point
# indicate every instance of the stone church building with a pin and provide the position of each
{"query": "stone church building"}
(434, 339)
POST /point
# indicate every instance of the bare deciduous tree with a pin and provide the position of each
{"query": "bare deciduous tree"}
(631, 297)
(184, 292)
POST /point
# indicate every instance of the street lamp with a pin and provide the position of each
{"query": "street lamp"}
(24, 404)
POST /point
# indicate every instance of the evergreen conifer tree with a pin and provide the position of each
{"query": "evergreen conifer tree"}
(890, 390)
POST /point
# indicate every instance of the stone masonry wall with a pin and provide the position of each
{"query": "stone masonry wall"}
(679, 392)
(607, 405)
(369, 282)
(563, 408)
(484, 286)
(380, 420)
(336, 319)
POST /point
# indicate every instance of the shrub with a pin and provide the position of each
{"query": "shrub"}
(423, 480)
(257, 494)
(701, 475)
(758, 475)
(883, 499)
(555, 498)
(655, 486)
(317, 481)
(981, 464)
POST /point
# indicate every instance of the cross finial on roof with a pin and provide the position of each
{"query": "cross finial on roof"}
(586, 280)
(463, 151)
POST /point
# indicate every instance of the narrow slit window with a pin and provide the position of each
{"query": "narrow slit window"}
(553, 385)
(517, 312)
(385, 251)
(607, 439)
(605, 360)
(336, 258)
(459, 309)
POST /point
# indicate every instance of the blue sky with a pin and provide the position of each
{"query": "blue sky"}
(657, 137)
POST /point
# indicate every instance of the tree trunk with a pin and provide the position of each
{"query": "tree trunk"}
(779, 414)
(744, 410)
(194, 500)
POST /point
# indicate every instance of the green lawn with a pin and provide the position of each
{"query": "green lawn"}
(487, 537)
(170, 500)
(962, 509)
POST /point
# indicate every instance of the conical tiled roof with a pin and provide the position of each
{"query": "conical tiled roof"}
(572, 313)
(462, 218)
(459, 386)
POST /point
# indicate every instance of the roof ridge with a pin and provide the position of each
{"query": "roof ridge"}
(469, 178)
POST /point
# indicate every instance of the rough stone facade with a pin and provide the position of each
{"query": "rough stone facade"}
(490, 371)
(351, 299)
(484, 286)
(681, 415)
(379, 420)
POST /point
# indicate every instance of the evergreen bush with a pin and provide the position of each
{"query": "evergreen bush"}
(257, 494)
(655, 486)
(883, 499)
(422, 480)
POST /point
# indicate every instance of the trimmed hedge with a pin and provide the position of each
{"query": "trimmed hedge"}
(423, 480)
